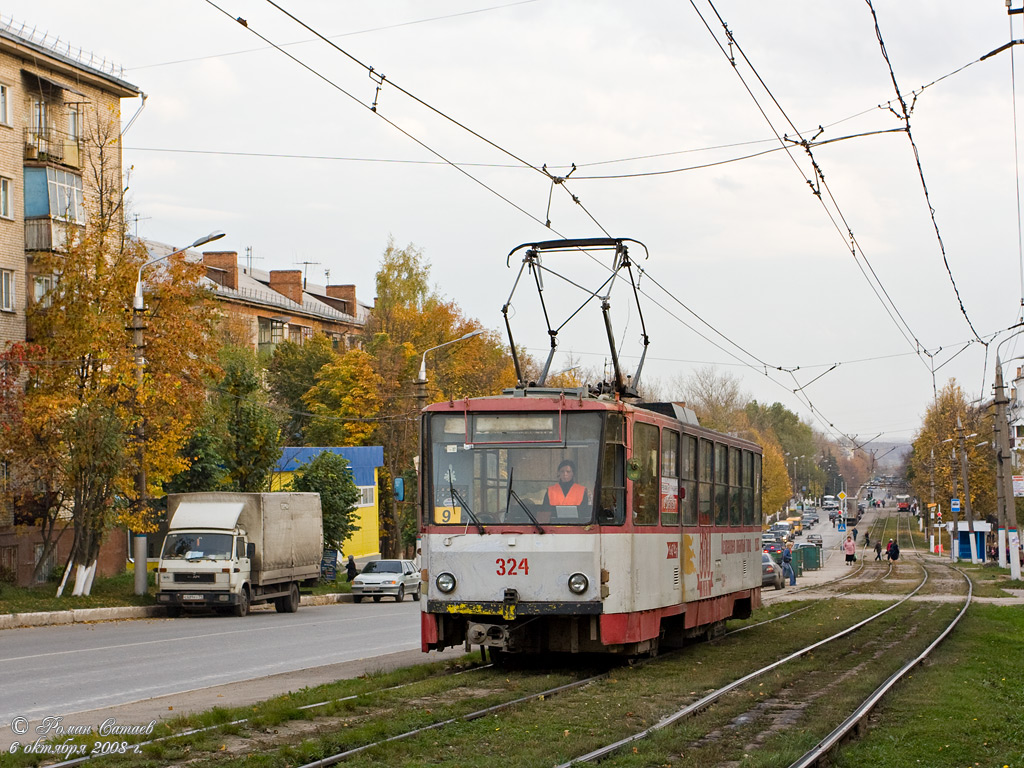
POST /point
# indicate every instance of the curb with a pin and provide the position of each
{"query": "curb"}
(83, 615)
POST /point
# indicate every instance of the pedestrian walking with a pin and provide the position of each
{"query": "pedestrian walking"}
(888, 549)
(351, 568)
(787, 565)
(894, 551)
(878, 550)
(850, 548)
(867, 540)
(854, 535)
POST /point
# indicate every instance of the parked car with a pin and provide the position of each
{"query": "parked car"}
(815, 538)
(771, 572)
(394, 578)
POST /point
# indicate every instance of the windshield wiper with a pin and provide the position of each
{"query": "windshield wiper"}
(522, 505)
(456, 496)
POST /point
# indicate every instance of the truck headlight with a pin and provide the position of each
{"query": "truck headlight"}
(578, 583)
(445, 582)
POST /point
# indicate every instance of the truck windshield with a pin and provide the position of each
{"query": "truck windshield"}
(197, 546)
(492, 465)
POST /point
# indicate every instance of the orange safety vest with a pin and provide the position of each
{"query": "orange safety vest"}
(559, 499)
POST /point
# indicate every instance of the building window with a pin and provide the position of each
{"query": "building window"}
(5, 104)
(74, 128)
(366, 495)
(42, 287)
(54, 192)
(5, 198)
(6, 290)
(39, 117)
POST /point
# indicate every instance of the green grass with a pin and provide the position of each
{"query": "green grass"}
(964, 707)
(107, 592)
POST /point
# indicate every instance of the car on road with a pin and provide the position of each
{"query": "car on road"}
(393, 578)
(771, 572)
(815, 539)
(771, 547)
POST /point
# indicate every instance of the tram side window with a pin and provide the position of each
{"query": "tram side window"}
(688, 481)
(747, 490)
(735, 514)
(705, 467)
(613, 474)
(669, 477)
(758, 513)
(721, 484)
(646, 488)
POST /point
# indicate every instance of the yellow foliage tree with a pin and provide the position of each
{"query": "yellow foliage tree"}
(84, 405)
(344, 401)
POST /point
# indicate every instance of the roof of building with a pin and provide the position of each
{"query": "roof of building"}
(362, 460)
(254, 288)
(63, 53)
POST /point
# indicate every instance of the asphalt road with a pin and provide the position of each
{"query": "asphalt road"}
(61, 670)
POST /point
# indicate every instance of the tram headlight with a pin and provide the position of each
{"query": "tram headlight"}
(578, 583)
(445, 582)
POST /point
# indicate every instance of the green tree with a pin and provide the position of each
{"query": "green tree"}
(250, 442)
(328, 474)
(291, 373)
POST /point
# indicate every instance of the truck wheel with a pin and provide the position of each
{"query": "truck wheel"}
(242, 607)
(401, 593)
(416, 593)
(293, 599)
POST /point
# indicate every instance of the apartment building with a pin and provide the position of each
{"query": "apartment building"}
(53, 99)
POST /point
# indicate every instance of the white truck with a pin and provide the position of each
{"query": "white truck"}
(228, 551)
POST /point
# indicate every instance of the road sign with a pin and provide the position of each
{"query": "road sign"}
(842, 495)
(954, 505)
(1018, 485)
(841, 527)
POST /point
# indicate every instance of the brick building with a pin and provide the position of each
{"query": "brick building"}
(53, 98)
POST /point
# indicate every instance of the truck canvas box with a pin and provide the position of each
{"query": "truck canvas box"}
(228, 551)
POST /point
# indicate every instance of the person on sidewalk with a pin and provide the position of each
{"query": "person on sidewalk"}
(888, 548)
(850, 548)
(787, 565)
(878, 550)
(351, 569)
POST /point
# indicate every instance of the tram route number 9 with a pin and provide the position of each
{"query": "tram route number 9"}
(511, 567)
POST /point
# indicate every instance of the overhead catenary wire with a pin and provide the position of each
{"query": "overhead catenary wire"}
(904, 115)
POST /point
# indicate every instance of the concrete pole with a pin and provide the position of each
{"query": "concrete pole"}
(1003, 437)
(139, 549)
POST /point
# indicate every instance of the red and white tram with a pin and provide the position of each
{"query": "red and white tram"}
(661, 542)
(665, 544)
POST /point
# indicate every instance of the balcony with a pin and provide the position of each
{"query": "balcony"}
(51, 145)
(47, 234)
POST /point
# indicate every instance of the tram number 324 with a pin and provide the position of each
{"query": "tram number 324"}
(512, 567)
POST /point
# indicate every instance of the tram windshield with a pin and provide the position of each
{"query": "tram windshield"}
(515, 468)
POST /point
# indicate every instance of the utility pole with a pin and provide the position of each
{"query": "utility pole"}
(928, 516)
(1009, 516)
(967, 490)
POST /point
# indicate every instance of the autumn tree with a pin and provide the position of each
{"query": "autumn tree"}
(343, 401)
(936, 452)
(86, 406)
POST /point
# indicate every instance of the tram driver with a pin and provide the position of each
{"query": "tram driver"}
(566, 497)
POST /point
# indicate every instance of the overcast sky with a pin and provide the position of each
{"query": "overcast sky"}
(237, 136)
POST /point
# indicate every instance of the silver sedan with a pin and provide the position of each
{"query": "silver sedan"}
(394, 578)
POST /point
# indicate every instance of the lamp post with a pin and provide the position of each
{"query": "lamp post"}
(421, 380)
(138, 307)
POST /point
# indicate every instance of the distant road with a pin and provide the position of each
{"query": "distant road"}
(60, 670)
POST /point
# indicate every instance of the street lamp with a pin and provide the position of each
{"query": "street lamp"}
(138, 307)
(421, 380)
